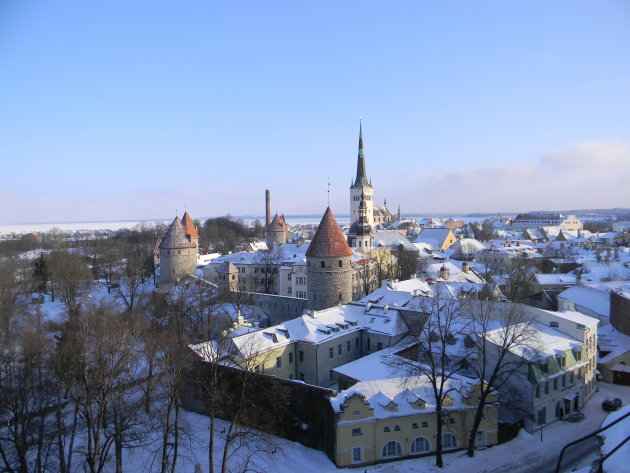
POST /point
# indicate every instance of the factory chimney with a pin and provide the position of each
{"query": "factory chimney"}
(267, 209)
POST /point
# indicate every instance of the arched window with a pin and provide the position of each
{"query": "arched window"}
(392, 449)
(449, 441)
(420, 445)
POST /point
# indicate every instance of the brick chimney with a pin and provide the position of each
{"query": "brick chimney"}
(267, 208)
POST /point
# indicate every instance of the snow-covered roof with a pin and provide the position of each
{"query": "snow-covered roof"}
(549, 342)
(588, 297)
(555, 279)
(611, 341)
(392, 239)
(434, 236)
(402, 392)
(323, 325)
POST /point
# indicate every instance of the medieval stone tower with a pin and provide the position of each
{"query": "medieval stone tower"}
(178, 253)
(360, 235)
(361, 187)
(328, 267)
(277, 231)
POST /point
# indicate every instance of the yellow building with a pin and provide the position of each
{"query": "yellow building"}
(395, 418)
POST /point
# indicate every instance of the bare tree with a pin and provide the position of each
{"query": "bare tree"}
(269, 264)
(230, 394)
(131, 280)
(431, 357)
(70, 276)
(500, 331)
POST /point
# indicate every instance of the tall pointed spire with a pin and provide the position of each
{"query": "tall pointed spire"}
(361, 179)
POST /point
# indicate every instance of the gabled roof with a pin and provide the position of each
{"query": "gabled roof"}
(328, 241)
(189, 226)
(176, 237)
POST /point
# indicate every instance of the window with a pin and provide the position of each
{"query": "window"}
(356, 342)
(357, 455)
(356, 413)
(323, 264)
(480, 440)
(386, 429)
(290, 357)
(368, 345)
(547, 387)
(397, 427)
(301, 376)
(554, 324)
(255, 270)
(392, 449)
(564, 380)
(538, 390)
(331, 375)
(356, 432)
(278, 362)
(339, 349)
(414, 425)
(420, 445)
(289, 290)
(348, 345)
(379, 346)
(555, 384)
(425, 424)
(301, 355)
(449, 441)
(340, 264)
(330, 352)
(571, 377)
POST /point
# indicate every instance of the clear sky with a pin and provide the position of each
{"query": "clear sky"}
(126, 109)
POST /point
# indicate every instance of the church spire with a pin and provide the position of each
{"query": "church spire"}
(361, 179)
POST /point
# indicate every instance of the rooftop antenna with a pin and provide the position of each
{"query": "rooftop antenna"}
(328, 191)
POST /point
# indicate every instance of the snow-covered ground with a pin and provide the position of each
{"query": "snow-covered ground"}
(525, 454)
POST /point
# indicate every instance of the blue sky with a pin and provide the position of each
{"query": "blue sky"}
(131, 109)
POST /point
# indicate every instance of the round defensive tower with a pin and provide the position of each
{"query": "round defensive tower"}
(277, 231)
(328, 269)
(178, 254)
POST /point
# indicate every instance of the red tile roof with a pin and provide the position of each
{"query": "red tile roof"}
(189, 226)
(328, 241)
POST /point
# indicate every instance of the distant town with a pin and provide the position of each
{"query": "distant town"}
(240, 344)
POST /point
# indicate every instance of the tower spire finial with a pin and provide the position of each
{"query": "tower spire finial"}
(361, 179)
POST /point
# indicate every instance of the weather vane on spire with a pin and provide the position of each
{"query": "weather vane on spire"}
(328, 191)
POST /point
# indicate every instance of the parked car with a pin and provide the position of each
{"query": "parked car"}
(611, 403)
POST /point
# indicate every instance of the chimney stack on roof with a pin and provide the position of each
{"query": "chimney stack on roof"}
(444, 272)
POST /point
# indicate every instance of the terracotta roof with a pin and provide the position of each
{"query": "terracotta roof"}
(278, 224)
(328, 241)
(189, 226)
(176, 237)
(227, 268)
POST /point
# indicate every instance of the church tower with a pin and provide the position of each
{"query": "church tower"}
(361, 187)
(328, 269)
(360, 235)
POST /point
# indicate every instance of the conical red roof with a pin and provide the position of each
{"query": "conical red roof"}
(189, 226)
(328, 241)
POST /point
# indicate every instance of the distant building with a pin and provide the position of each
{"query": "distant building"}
(440, 239)
(537, 220)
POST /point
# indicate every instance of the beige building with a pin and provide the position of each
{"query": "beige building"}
(308, 348)
(395, 418)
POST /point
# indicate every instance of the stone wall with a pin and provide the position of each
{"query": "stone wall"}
(175, 264)
(331, 285)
